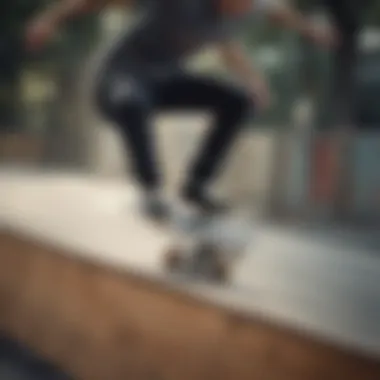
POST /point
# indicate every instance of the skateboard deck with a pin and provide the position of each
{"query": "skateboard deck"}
(206, 247)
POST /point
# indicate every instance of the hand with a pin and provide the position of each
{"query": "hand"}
(261, 94)
(323, 36)
(39, 32)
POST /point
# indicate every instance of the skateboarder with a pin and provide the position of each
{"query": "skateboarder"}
(144, 73)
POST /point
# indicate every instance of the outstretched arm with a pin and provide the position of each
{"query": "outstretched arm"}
(288, 17)
(66, 9)
(43, 27)
(237, 61)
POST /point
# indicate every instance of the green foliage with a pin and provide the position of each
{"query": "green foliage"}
(15, 13)
(372, 15)
(14, 16)
(75, 41)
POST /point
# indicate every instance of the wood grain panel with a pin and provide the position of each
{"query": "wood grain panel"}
(99, 324)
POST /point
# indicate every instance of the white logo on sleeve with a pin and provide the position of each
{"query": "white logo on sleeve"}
(122, 89)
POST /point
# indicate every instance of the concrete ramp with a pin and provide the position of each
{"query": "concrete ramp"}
(80, 282)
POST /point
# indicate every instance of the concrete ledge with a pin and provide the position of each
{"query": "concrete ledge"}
(326, 288)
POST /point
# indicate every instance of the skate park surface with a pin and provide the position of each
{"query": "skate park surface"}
(81, 282)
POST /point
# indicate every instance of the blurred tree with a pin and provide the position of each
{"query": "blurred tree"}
(368, 75)
(59, 57)
(372, 12)
(63, 60)
(64, 134)
(13, 15)
(349, 16)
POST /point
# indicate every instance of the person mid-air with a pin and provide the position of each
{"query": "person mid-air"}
(144, 73)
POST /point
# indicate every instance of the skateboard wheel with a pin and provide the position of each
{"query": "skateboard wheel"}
(220, 271)
(173, 259)
(210, 263)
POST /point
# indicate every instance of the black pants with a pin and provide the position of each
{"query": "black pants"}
(129, 99)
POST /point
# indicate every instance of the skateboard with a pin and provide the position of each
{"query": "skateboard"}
(206, 247)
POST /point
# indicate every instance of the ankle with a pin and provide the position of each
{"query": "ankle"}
(194, 189)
